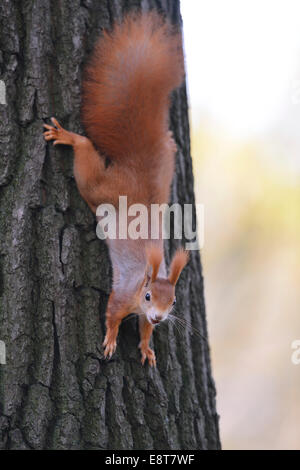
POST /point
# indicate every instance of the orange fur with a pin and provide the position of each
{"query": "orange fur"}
(126, 87)
(146, 330)
(178, 263)
(163, 293)
(154, 259)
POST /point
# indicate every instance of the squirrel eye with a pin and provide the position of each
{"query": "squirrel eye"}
(148, 296)
(174, 301)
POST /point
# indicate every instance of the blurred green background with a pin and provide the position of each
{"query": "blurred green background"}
(243, 72)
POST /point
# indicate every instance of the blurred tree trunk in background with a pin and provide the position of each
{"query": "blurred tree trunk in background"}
(56, 391)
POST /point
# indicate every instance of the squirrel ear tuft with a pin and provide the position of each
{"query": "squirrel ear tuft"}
(179, 261)
(154, 259)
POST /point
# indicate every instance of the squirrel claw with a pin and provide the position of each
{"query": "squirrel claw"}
(149, 354)
(57, 133)
(110, 347)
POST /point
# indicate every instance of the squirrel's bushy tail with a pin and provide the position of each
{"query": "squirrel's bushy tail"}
(127, 84)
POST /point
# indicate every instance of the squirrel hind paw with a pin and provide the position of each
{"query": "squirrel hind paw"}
(58, 134)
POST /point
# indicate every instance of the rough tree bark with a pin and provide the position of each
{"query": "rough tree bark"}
(56, 391)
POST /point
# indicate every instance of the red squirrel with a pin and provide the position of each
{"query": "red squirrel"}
(125, 106)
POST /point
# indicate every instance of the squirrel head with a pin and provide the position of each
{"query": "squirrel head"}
(157, 296)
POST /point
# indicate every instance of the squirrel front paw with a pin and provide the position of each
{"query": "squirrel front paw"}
(110, 344)
(147, 353)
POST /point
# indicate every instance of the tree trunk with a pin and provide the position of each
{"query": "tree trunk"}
(56, 390)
